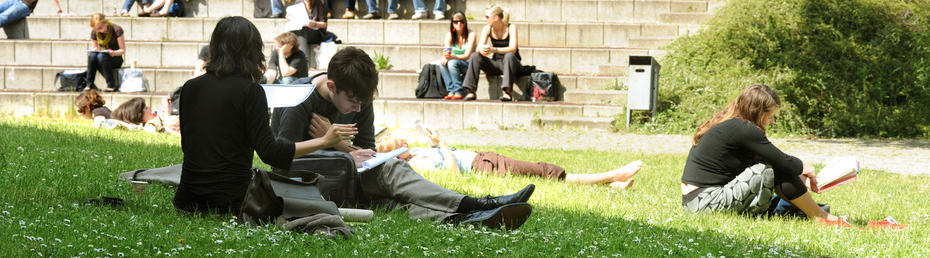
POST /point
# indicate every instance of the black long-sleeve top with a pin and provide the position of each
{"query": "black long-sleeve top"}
(293, 123)
(728, 148)
(224, 120)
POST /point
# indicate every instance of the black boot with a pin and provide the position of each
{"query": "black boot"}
(510, 216)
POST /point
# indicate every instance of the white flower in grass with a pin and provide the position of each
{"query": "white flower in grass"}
(20, 148)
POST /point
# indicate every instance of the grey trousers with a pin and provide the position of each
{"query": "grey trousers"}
(509, 66)
(750, 192)
(396, 185)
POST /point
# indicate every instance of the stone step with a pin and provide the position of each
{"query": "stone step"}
(402, 57)
(391, 85)
(536, 34)
(685, 17)
(42, 78)
(608, 97)
(521, 10)
(388, 112)
(656, 42)
(588, 123)
(403, 85)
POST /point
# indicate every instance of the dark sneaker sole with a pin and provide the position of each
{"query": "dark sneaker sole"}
(511, 216)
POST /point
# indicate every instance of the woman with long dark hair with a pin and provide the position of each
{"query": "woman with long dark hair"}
(459, 44)
(733, 166)
(224, 120)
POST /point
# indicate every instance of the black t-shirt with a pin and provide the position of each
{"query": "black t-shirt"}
(101, 111)
(292, 123)
(297, 60)
(728, 148)
(224, 120)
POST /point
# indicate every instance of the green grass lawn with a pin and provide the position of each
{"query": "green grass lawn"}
(49, 167)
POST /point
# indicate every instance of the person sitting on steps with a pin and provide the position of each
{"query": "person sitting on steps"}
(459, 45)
(109, 46)
(498, 37)
(287, 63)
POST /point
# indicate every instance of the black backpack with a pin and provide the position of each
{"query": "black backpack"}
(430, 84)
(543, 87)
(340, 179)
(71, 81)
(175, 102)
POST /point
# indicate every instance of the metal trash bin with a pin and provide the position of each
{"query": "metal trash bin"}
(643, 85)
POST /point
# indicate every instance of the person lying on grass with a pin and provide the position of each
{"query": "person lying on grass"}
(733, 166)
(345, 95)
(441, 156)
(136, 112)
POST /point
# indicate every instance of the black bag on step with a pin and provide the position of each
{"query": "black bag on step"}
(71, 80)
(543, 87)
(430, 84)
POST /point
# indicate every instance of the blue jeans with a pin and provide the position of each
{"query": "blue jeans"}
(104, 63)
(452, 75)
(12, 11)
(420, 6)
(127, 6)
(276, 7)
(373, 6)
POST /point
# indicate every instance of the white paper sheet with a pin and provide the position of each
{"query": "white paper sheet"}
(287, 95)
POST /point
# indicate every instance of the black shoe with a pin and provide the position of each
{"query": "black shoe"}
(490, 203)
(511, 216)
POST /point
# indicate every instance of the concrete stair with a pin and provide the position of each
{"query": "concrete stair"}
(392, 84)
(179, 54)
(586, 42)
(549, 34)
(521, 10)
(388, 112)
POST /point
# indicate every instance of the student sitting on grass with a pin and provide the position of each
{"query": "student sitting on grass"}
(287, 63)
(345, 95)
(440, 156)
(733, 166)
(224, 122)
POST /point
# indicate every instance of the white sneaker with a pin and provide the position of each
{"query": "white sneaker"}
(419, 15)
(437, 15)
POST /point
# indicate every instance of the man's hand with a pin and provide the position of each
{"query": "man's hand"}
(319, 125)
(338, 133)
(361, 156)
(809, 177)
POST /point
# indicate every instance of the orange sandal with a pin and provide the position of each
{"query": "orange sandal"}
(887, 223)
(841, 222)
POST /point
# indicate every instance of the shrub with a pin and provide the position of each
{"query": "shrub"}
(842, 67)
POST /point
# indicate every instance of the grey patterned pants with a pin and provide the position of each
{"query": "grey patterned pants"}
(750, 192)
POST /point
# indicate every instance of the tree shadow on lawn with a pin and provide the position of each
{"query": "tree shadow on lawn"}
(71, 164)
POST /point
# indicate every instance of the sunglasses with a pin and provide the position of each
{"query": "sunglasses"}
(457, 21)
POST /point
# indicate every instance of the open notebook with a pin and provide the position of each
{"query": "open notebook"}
(838, 171)
(380, 158)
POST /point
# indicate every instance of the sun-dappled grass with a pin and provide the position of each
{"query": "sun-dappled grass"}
(49, 168)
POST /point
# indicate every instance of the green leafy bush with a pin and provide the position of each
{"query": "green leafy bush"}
(842, 67)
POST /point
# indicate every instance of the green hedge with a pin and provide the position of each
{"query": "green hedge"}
(842, 67)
